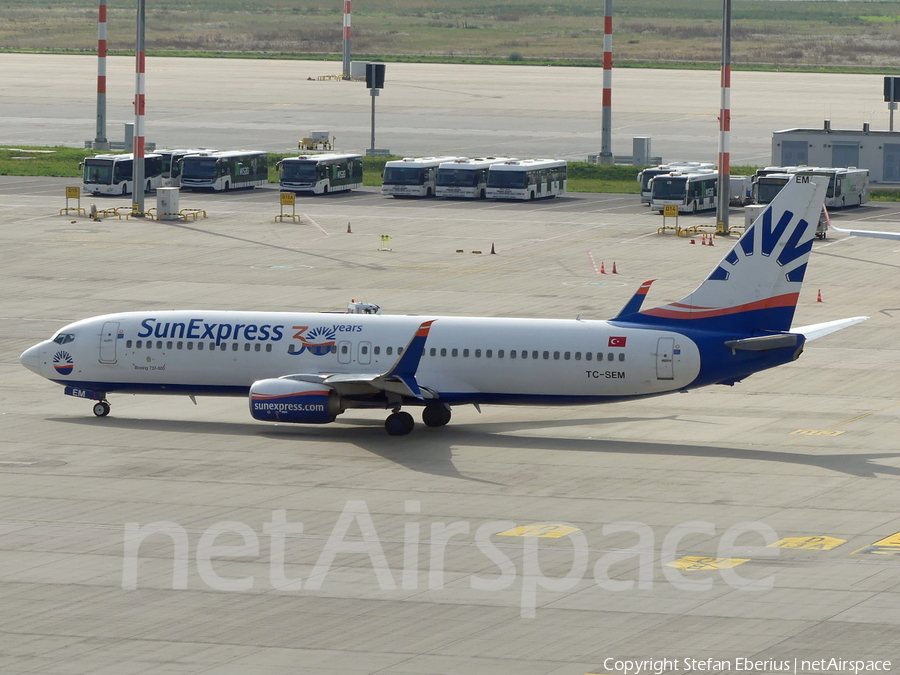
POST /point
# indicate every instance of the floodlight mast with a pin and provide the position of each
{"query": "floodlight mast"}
(100, 141)
(137, 187)
(722, 202)
(606, 155)
(347, 7)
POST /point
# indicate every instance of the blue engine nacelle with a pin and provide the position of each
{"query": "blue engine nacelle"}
(283, 400)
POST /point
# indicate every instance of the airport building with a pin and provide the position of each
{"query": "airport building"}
(877, 151)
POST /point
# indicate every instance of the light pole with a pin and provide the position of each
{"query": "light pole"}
(137, 187)
(722, 202)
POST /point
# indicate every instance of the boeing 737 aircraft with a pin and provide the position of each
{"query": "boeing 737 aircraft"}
(310, 368)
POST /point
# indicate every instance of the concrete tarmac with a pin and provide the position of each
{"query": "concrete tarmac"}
(425, 109)
(408, 560)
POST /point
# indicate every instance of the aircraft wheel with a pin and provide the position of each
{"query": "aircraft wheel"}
(101, 408)
(399, 423)
(436, 414)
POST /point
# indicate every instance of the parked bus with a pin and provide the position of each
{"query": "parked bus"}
(171, 164)
(846, 187)
(113, 174)
(648, 174)
(412, 176)
(225, 170)
(320, 174)
(465, 177)
(690, 191)
(765, 187)
(527, 179)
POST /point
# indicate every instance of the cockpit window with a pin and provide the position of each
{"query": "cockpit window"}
(63, 338)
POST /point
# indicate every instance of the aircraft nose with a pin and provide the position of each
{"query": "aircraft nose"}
(31, 359)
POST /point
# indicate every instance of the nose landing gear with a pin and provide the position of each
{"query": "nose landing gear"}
(101, 408)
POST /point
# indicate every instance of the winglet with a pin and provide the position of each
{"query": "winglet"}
(405, 368)
(634, 305)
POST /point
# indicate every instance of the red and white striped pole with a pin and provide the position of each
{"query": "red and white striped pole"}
(138, 144)
(606, 156)
(724, 186)
(346, 74)
(100, 141)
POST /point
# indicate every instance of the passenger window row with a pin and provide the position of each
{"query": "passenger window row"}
(389, 351)
(222, 347)
(525, 354)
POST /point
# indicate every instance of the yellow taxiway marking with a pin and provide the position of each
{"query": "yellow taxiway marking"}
(887, 546)
(817, 432)
(840, 424)
(809, 543)
(551, 530)
(692, 562)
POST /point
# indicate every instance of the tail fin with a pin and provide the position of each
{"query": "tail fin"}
(755, 287)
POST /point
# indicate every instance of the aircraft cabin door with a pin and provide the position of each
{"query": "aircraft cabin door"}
(364, 353)
(108, 337)
(344, 352)
(664, 361)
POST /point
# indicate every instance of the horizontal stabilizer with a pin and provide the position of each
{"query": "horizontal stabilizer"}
(817, 330)
(763, 342)
(868, 233)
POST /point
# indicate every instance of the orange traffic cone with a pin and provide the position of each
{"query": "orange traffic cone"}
(602, 269)
(711, 240)
(493, 252)
(819, 296)
(703, 243)
(692, 241)
(614, 270)
(349, 231)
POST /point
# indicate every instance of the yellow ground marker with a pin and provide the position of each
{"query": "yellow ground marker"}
(816, 432)
(887, 546)
(809, 543)
(692, 562)
(551, 530)
(840, 424)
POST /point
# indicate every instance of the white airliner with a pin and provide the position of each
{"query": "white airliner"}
(310, 368)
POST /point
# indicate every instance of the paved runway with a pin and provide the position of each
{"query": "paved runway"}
(522, 111)
(421, 580)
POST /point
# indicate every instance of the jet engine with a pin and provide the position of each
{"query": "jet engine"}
(284, 400)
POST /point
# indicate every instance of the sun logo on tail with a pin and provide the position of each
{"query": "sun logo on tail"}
(63, 362)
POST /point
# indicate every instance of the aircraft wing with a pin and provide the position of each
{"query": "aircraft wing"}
(817, 330)
(400, 379)
(868, 233)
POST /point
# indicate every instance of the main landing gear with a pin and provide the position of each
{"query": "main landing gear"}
(436, 414)
(401, 423)
(101, 408)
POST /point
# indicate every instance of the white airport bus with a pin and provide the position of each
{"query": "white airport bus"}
(113, 174)
(171, 164)
(691, 191)
(225, 170)
(644, 177)
(465, 177)
(320, 174)
(412, 176)
(527, 179)
(846, 187)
